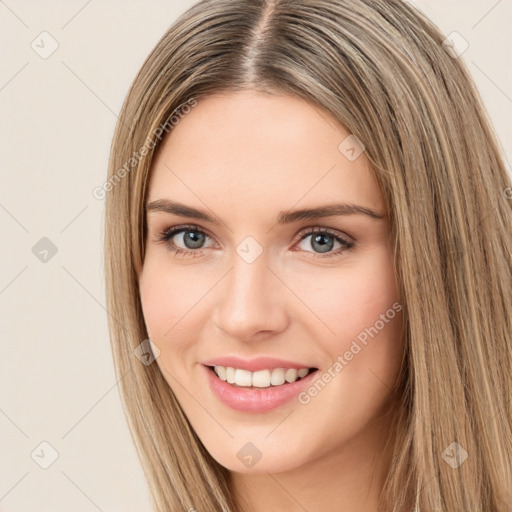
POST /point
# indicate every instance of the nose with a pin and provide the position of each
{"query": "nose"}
(251, 302)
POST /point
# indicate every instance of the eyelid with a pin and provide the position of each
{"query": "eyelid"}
(298, 236)
(180, 228)
(348, 242)
(307, 231)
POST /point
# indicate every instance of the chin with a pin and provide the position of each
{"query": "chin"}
(271, 464)
(248, 455)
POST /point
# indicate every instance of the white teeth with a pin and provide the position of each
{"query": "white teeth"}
(303, 372)
(277, 377)
(261, 378)
(230, 375)
(291, 375)
(243, 377)
(221, 372)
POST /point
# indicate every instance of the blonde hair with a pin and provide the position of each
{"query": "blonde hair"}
(378, 68)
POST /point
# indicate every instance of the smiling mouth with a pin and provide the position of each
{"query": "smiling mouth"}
(261, 379)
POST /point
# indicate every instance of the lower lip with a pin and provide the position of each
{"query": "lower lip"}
(256, 400)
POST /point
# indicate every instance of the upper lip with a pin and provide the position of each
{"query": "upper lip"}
(255, 364)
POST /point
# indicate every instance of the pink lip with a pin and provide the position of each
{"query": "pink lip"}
(253, 365)
(255, 400)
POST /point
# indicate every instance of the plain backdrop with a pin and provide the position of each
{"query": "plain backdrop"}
(58, 113)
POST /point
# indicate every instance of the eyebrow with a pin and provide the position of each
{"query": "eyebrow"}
(284, 217)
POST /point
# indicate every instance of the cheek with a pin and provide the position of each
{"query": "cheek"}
(167, 299)
(360, 327)
(352, 298)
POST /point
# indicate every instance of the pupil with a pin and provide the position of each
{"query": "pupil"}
(194, 238)
(321, 239)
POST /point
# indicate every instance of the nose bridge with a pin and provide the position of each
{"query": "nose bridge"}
(250, 300)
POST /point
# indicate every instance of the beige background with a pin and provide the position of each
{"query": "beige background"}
(58, 115)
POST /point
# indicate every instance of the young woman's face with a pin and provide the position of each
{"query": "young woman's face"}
(252, 284)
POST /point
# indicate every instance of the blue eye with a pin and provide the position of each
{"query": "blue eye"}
(323, 241)
(193, 239)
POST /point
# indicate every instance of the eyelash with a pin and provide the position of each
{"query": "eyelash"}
(167, 234)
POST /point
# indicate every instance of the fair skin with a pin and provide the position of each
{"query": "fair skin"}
(245, 157)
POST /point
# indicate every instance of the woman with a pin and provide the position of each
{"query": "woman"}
(308, 248)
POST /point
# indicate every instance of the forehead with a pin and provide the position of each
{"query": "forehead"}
(247, 152)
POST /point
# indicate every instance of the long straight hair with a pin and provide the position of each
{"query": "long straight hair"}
(380, 69)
